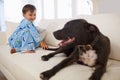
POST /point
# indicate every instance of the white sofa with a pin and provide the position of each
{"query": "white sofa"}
(20, 66)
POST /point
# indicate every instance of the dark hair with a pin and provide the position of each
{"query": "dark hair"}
(28, 7)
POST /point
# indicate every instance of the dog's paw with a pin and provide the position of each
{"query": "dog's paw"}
(44, 76)
(45, 58)
(94, 78)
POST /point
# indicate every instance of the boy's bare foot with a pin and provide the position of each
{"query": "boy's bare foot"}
(30, 51)
(13, 51)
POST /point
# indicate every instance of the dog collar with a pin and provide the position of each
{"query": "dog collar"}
(95, 40)
(88, 46)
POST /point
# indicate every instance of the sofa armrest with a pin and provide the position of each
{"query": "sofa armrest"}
(2, 38)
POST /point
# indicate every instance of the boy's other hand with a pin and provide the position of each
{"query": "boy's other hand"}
(43, 45)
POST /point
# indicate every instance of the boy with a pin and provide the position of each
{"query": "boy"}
(26, 38)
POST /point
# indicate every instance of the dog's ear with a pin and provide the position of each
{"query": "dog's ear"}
(92, 28)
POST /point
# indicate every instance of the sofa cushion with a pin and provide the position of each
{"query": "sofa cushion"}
(11, 26)
(51, 26)
(109, 25)
(29, 66)
(2, 38)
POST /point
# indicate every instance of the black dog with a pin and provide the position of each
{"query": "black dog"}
(78, 33)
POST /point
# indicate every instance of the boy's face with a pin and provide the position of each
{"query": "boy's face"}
(31, 16)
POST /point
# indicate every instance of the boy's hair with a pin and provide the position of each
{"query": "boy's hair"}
(28, 7)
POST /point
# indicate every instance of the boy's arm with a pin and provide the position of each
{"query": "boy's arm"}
(37, 37)
(34, 33)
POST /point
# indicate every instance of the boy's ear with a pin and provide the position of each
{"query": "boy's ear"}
(23, 15)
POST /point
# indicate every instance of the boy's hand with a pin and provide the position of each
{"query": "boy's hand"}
(43, 45)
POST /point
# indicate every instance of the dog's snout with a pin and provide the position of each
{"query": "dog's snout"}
(57, 34)
(54, 33)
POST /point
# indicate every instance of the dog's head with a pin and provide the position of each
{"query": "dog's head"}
(78, 32)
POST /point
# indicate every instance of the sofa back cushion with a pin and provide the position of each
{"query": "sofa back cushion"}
(109, 25)
(51, 26)
(11, 26)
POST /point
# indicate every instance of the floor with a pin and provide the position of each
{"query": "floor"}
(2, 77)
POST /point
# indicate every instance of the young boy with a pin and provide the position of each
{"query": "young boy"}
(26, 38)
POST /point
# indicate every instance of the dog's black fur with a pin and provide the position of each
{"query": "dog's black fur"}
(84, 33)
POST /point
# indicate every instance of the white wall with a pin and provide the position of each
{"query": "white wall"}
(108, 6)
(2, 15)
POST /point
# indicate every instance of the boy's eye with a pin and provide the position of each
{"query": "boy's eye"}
(30, 15)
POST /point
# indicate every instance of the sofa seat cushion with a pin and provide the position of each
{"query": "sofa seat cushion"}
(29, 66)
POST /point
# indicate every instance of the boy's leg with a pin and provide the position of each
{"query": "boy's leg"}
(15, 44)
(28, 44)
(12, 51)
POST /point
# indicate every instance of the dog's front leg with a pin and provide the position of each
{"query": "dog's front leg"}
(98, 73)
(68, 61)
(100, 68)
(47, 57)
(59, 50)
(49, 73)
